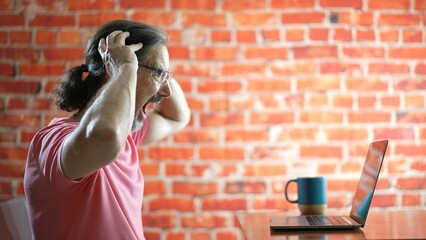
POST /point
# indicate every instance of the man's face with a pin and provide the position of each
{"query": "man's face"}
(149, 89)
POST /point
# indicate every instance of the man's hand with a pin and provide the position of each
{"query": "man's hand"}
(115, 53)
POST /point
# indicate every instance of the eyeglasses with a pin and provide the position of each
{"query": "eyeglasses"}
(161, 76)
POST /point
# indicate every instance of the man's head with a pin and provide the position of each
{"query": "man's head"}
(75, 91)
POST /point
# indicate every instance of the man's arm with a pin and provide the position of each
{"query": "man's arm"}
(107, 122)
(169, 116)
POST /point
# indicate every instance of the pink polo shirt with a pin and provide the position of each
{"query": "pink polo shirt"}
(104, 205)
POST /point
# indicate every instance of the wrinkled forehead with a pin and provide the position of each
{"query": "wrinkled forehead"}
(159, 58)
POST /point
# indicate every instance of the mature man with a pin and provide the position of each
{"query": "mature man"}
(82, 178)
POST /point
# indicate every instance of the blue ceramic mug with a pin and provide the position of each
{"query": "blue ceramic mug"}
(311, 195)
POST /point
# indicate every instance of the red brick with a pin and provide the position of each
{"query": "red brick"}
(294, 35)
(70, 36)
(17, 103)
(340, 67)
(5, 188)
(365, 35)
(384, 200)
(203, 221)
(293, 68)
(411, 150)
(409, 199)
(150, 169)
(189, 4)
(159, 220)
(253, 19)
(342, 35)
(96, 19)
(273, 204)
(224, 204)
(220, 36)
(318, 34)
(64, 53)
(315, 52)
(411, 183)
(363, 52)
(389, 35)
(221, 153)
(267, 118)
(394, 4)
(178, 52)
(12, 170)
(91, 5)
(419, 4)
(18, 120)
(419, 166)
(318, 84)
(408, 53)
(53, 20)
(212, 86)
(366, 102)
(46, 37)
(18, 37)
(19, 53)
(165, 153)
(41, 69)
(355, 18)
(297, 18)
(411, 117)
(11, 20)
(175, 170)
(321, 117)
(255, 170)
(242, 69)
(238, 5)
(19, 86)
(216, 53)
(195, 188)
(176, 204)
(399, 20)
(265, 53)
(347, 134)
(175, 236)
(319, 151)
(388, 68)
(286, 4)
(410, 84)
(154, 187)
(246, 135)
(197, 136)
(6, 69)
(245, 187)
(368, 84)
(6, 5)
(414, 101)
(204, 19)
(159, 18)
(411, 36)
(271, 35)
(369, 117)
(226, 235)
(246, 36)
(394, 133)
(341, 3)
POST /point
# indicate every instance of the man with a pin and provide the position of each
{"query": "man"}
(82, 178)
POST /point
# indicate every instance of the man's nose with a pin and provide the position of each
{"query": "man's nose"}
(165, 90)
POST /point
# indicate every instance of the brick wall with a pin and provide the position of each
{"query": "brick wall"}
(277, 88)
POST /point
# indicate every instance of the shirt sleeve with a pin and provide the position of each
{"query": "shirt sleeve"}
(49, 148)
(140, 135)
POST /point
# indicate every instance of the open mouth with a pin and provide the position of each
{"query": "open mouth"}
(154, 99)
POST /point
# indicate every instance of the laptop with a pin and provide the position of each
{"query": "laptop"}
(360, 204)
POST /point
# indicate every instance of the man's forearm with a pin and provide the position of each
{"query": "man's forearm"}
(174, 108)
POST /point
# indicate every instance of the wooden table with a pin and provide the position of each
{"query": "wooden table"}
(379, 225)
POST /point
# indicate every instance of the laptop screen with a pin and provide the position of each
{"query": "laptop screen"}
(367, 182)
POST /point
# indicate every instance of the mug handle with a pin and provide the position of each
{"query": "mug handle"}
(285, 191)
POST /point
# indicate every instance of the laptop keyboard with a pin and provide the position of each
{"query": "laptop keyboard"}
(327, 220)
